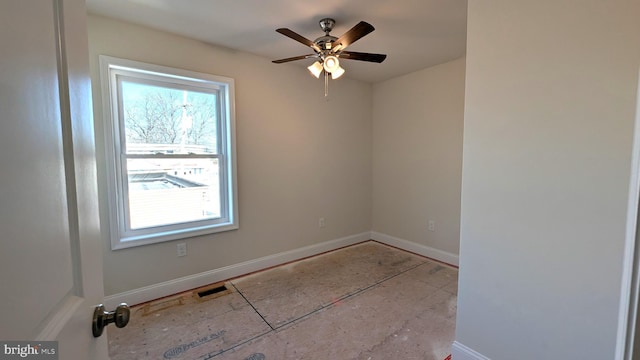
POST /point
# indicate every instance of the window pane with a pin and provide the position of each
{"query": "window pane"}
(171, 191)
(167, 120)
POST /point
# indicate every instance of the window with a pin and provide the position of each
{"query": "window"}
(170, 150)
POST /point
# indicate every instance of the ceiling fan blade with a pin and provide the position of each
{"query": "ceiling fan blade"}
(299, 38)
(361, 29)
(293, 58)
(352, 55)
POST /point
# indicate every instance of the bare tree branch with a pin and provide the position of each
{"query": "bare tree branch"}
(156, 117)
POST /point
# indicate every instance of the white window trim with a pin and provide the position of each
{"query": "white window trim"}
(109, 67)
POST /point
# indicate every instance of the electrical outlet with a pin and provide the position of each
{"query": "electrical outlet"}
(432, 225)
(182, 249)
(321, 222)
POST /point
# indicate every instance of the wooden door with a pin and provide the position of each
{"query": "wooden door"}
(50, 261)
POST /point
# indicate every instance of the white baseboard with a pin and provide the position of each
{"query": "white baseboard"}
(461, 352)
(167, 288)
(413, 247)
(175, 286)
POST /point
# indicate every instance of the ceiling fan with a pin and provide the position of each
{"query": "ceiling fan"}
(328, 49)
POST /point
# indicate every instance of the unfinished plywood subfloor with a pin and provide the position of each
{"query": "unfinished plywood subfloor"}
(367, 301)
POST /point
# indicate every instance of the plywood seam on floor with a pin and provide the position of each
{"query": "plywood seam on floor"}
(322, 308)
(252, 306)
(328, 305)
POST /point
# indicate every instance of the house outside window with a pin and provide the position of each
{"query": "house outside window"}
(171, 152)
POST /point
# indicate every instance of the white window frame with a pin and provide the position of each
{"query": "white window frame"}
(111, 69)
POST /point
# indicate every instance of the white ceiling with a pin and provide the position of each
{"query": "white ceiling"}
(415, 34)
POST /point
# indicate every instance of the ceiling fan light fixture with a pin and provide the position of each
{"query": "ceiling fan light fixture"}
(328, 48)
(331, 64)
(315, 69)
(337, 73)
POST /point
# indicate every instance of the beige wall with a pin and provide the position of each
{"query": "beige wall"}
(417, 155)
(296, 162)
(549, 117)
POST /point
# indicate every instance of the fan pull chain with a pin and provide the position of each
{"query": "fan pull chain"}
(326, 84)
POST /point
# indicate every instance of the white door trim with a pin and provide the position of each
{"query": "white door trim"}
(630, 284)
(462, 352)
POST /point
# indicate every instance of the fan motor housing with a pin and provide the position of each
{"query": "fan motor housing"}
(322, 41)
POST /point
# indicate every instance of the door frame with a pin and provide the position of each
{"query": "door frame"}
(630, 286)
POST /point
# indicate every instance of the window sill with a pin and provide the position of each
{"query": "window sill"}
(141, 240)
